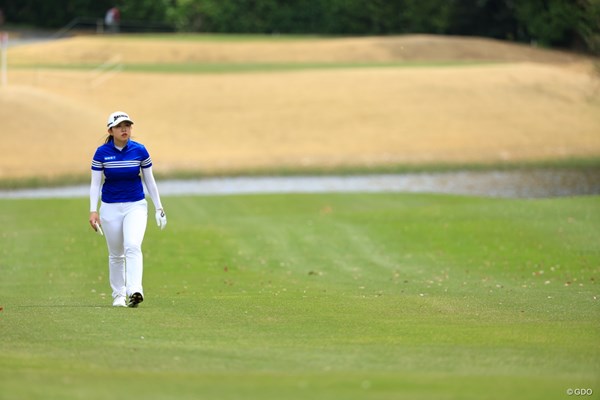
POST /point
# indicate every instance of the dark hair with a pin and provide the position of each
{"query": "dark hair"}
(109, 139)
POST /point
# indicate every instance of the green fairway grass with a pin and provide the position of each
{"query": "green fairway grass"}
(305, 296)
(224, 68)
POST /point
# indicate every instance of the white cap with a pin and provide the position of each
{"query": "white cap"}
(117, 117)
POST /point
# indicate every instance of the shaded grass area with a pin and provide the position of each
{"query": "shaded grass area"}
(381, 296)
(224, 68)
(585, 165)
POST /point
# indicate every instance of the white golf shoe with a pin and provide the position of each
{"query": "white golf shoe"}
(119, 301)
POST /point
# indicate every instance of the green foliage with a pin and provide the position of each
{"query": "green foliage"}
(491, 18)
(550, 22)
(52, 14)
(425, 16)
(589, 25)
(185, 15)
(144, 10)
(558, 23)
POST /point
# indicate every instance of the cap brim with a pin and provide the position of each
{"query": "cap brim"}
(118, 121)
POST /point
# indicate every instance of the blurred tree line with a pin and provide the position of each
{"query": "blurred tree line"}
(573, 24)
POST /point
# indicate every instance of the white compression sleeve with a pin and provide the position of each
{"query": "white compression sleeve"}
(150, 182)
(95, 190)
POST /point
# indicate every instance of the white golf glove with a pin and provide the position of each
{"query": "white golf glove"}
(161, 218)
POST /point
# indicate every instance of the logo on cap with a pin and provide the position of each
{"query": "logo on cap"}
(117, 116)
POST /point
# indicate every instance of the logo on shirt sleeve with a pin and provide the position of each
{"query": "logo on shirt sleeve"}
(108, 158)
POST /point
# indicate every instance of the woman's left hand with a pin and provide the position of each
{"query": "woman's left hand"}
(161, 218)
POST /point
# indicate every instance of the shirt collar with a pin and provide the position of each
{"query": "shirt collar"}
(124, 147)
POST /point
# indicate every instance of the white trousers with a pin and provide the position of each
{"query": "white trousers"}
(124, 226)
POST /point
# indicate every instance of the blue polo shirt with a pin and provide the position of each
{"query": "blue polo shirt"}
(122, 181)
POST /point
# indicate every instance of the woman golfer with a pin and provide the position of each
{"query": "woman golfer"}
(124, 209)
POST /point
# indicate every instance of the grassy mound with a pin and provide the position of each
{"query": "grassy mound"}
(174, 49)
(220, 104)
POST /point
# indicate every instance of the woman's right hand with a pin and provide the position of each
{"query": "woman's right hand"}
(94, 220)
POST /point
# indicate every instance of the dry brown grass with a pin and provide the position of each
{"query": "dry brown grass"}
(542, 105)
(137, 49)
